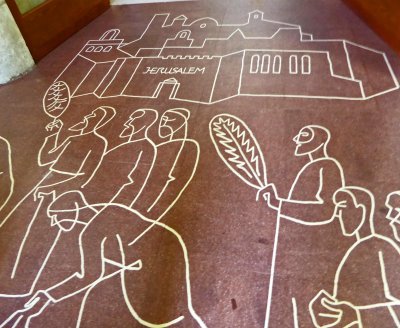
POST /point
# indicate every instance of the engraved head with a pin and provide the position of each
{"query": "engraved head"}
(353, 206)
(94, 120)
(68, 209)
(139, 123)
(393, 213)
(310, 139)
(172, 121)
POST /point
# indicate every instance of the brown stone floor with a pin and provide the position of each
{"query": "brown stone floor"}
(205, 245)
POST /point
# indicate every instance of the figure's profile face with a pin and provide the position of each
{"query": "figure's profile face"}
(350, 214)
(169, 123)
(393, 214)
(136, 122)
(304, 141)
(89, 122)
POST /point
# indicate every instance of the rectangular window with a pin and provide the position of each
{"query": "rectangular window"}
(306, 64)
(254, 64)
(277, 65)
(266, 61)
(293, 69)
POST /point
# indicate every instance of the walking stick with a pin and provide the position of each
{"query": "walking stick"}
(240, 151)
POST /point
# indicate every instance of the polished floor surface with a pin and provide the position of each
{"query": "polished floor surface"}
(204, 164)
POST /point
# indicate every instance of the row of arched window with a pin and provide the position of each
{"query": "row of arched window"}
(273, 64)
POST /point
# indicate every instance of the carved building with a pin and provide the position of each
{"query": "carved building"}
(204, 61)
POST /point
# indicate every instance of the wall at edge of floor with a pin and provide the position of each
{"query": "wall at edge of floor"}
(126, 2)
(15, 58)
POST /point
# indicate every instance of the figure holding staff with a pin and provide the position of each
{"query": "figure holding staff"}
(309, 202)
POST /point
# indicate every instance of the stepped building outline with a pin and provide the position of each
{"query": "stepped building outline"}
(207, 62)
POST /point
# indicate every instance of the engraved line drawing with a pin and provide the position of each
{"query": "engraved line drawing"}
(257, 51)
(56, 101)
(85, 146)
(238, 148)
(350, 301)
(87, 143)
(94, 264)
(139, 192)
(393, 214)
(323, 175)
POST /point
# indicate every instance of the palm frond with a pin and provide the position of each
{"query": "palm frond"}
(238, 148)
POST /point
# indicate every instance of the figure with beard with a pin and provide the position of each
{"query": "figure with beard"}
(76, 159)
(126, 166)
(174, 168)
(72, 163)
(304, 225)
(116, 240)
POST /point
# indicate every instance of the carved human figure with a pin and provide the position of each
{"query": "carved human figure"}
(124, 167)
(72, 163)
(309, 200)
(174, 168)
(109, 246)
(365, 290)
(306, 213)
(111, 221)
(128, 165)
(76, 159)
